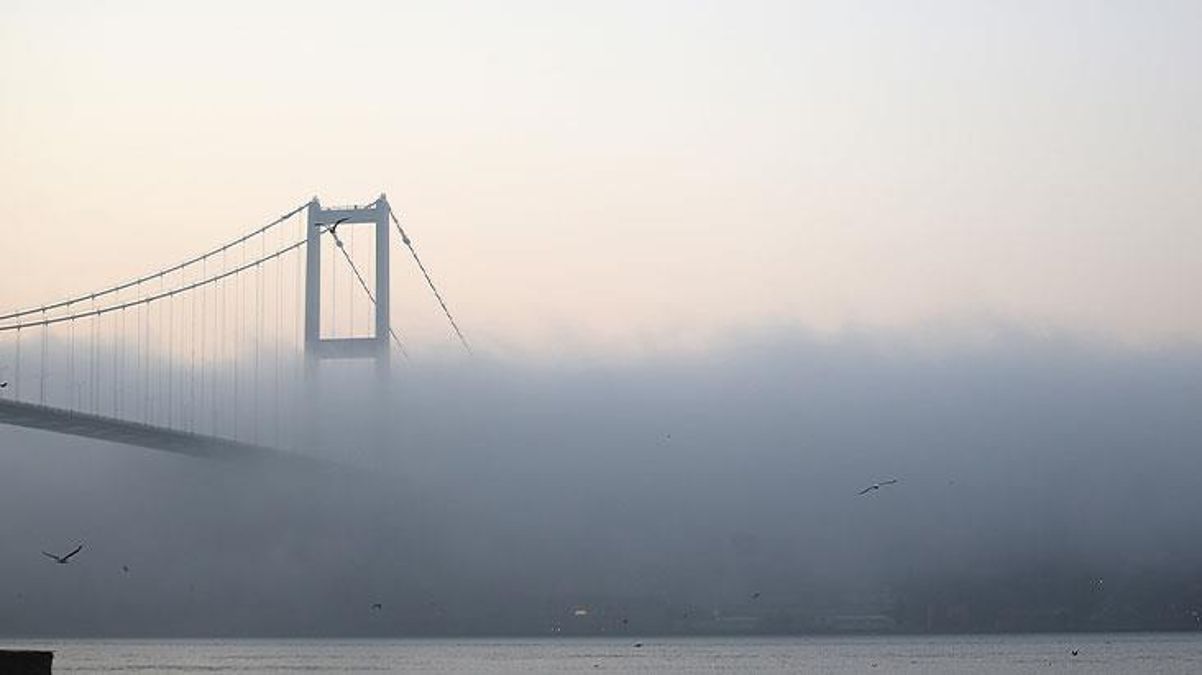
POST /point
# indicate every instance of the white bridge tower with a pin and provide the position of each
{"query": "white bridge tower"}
(376, 346)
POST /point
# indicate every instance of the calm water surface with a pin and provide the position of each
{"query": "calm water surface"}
(1101, 654)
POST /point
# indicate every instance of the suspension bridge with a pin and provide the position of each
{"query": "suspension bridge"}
(212, 356)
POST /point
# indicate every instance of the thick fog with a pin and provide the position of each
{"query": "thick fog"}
(1044, 482)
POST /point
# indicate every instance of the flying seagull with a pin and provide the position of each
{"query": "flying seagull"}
(63, 560)
(877, 486)
(377, 605)
(331, 228)
(4, 384)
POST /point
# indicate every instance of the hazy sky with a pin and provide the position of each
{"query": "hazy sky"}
(609, 175)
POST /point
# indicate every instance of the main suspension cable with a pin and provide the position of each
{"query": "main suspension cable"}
(429, 281)
(363, 283)
(157, 296)
(148, 277)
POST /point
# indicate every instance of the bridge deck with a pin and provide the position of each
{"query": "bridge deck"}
(102, 428)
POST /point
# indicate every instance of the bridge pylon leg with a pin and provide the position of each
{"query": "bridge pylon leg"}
(376, 347)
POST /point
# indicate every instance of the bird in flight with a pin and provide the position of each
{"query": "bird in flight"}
(331, 228)
(877, 486)
(377, 605)
(4, 384)
(63, 559)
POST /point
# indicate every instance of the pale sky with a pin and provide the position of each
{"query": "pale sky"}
(607, 175)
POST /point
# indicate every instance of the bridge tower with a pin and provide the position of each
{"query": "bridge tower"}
(377, 346)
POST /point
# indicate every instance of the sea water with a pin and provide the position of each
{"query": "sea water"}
(1100, 654)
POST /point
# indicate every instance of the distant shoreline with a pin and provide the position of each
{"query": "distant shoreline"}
(588, 636)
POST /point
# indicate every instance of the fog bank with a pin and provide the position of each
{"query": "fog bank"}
(1043, 483)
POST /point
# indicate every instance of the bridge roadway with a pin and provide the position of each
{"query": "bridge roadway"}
(34, 416)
